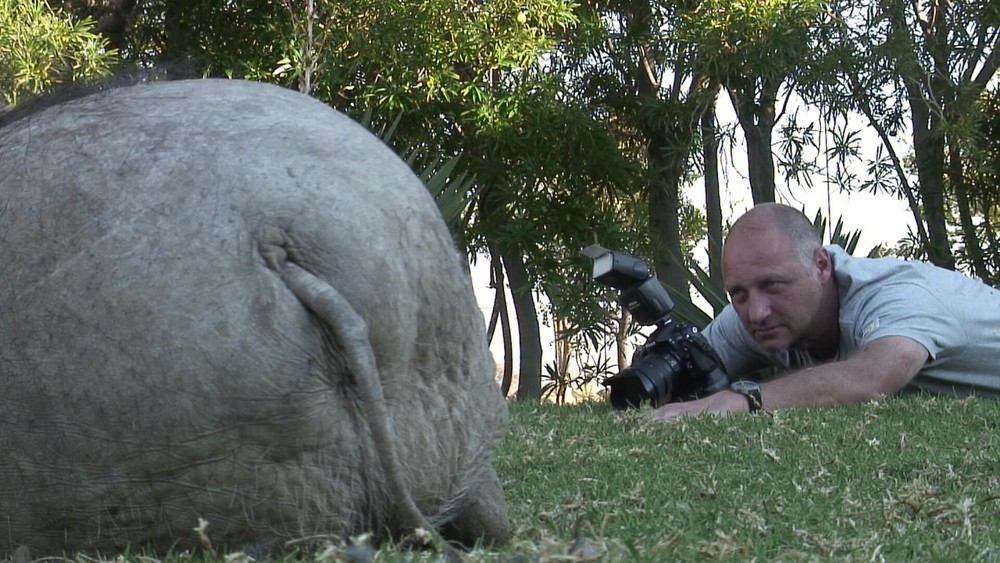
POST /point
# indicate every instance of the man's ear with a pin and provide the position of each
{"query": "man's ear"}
(823, 263)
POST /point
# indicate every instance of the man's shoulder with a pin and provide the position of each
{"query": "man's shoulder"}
(862, 275)
(846, 264)
(894, 277)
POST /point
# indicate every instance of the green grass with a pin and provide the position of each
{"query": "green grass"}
(900, 480)
(910, 479)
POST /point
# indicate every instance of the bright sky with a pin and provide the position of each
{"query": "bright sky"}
(882, 219)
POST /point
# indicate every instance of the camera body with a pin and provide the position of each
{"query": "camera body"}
(676, 363)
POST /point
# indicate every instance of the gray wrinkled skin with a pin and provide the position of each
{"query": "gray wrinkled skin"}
(211, 291)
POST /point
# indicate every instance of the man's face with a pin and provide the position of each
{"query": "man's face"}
(777, 297)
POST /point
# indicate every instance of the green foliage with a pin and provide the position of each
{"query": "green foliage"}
(914, 71)
(41, 47)
(846, 240)
(685, 309)
(243, 39)
(413, 56)
(452, 190)
(451, 187)
(741, 39)
(984, 170)
(982, 177)
(634, 64)
(472, 79)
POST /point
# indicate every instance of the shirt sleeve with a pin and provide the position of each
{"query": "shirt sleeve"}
(908, 310)
(739, 352)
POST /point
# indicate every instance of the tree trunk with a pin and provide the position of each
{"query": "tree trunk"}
(529, 382)
(175, 39)
(664, 214)
(563, 359)
(668, 142)
(957, 179)
(306, 65)
(757, 118)
(988, 210)
(760, 161)
(621, 338)
(864, 101)
(529, 367)
(112, 18)
(713, 198)
(502, 315)
(930, 94)
(928, 150)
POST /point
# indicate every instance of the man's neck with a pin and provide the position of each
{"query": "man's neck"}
(827, 342)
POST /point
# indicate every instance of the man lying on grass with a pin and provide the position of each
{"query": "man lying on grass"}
(845, 329)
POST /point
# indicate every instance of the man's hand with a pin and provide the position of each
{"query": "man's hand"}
(882, 368)
(722, 403)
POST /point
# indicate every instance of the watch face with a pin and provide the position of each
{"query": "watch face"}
(751, 391)
(744, 386)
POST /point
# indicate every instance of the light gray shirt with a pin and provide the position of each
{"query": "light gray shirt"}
(956, 318)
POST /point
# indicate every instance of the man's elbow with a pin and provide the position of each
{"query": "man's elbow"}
(889, 386)
(893, 363)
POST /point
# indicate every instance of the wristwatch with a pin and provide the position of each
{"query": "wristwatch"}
(750, 390)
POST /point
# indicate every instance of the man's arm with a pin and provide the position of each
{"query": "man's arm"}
(881, 368)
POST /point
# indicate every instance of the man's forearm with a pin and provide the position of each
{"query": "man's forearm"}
(882, 368)
(820, 386)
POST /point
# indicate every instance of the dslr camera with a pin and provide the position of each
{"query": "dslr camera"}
(676, 363)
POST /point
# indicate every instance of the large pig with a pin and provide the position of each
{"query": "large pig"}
(223, 300)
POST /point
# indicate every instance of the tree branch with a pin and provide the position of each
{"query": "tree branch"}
(896, 162)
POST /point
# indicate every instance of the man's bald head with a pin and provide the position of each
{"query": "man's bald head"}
(781, 219)
(781, 282)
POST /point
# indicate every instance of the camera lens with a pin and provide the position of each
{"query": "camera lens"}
(648, 379)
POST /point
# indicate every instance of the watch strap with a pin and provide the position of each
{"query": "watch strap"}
(751, 391)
